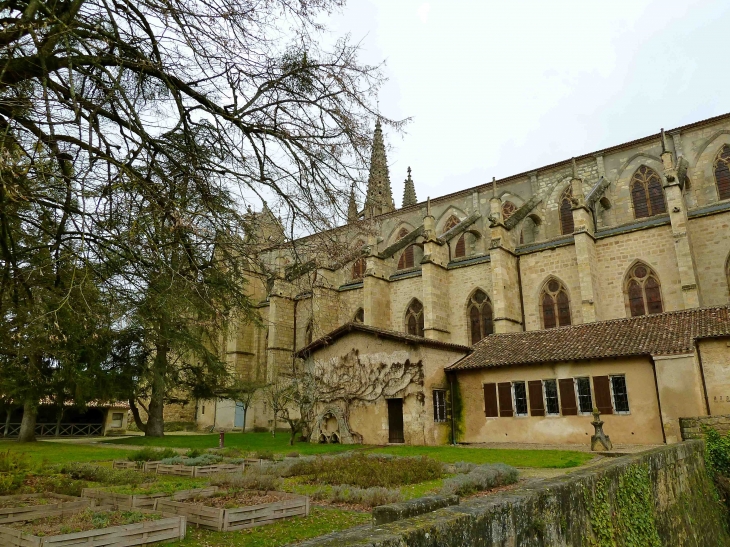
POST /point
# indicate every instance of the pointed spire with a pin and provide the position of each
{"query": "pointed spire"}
(352, 215)
(379, 198)
(494, 187)
(409, 192)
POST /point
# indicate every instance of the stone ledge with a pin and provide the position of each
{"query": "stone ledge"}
(411, 508)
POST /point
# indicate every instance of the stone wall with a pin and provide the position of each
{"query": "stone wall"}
(692, 427)
(660, 497)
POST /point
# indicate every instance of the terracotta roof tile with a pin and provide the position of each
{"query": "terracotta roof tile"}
(660, 334)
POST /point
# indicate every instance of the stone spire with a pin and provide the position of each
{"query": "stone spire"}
(379, 198)
(409, 192)
(352, 215)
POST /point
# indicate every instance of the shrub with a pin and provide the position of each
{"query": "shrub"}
(180, 426)
(151, 454)
(10, 482)
(717, 452)
(230, 453)
(104, 475)
(13, 462)
(246, 481)
(60, 484)
(481, 477)
(352, 495)
(204, 459)
(264, 455)
(292, 455)
(366, 471)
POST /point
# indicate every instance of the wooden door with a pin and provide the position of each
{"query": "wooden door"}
(395, 421)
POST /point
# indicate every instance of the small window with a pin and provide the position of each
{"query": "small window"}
(722, 172)
(359, 316)
(520, 396)
(414, 318)
(585, 401)
(552, 405)
(203, 411)
(647, 195)
(117, 419)
(619, 394)
(439, 405)
(567, 226)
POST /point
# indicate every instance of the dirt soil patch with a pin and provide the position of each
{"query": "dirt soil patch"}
(82, 522)
(237, 498)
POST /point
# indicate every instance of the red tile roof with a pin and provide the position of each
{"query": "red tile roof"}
(327, 339)
(660, 334)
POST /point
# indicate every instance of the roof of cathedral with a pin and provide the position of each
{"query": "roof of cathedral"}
(328, 339)
(661, 334)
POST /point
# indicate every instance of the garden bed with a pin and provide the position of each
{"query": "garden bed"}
(236, 510)
(144, 466)
(140, 501)
(95, 527)
(26, 507)
(181, 470)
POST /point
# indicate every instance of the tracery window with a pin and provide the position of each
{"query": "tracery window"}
(554, 305)
(643, 291)
(460, 248)
(722, 172)
(406, 257)
(479, 313)
(414, 318)
(450, 223)
(358, 267)
(567, 226)
(359, 316)
(508, 209)
(646, 193)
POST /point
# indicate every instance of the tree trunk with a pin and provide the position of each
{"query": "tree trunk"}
(27, 424)
(243, 427)
(8, 414)
(155, 412)
(135, 414)
(59, 417)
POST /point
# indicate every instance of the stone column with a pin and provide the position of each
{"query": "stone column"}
(505, 278)
(680, 231)
(435, 283)
(281, 328)
(585, 252)
(376, 289)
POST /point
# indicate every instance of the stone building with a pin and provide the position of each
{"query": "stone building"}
(488, 292)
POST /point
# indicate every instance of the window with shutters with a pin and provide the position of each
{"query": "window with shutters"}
(619, 394)
(479, 315)
(359, 316)
(504, 393)
(643, 291)
(537, 400)
(358, 269)
(566, 212)
(647, 194)
(519, 394)
(602, 394)
(568, 403)
(414, 318)
(554, 305)
(439, 405)
(508, 209)
(552, 404)
(491, 407)
(722, 172)
(406, 258)
(583, 391)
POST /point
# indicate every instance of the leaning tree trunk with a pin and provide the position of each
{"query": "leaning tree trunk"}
(27, 424)
(8, 414)
(155, 411)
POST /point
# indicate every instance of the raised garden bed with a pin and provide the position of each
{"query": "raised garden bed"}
(129, 528)
(26, 507)
(237, 510)
(140, 501)
(144, 466)
(198, 470)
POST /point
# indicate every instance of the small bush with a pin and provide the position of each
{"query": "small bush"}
(352, 495)
(230, 453)
(717, 452)
(481, 477)
(104, 475)
(204, 459)
(59, 484)
(151, 454)
(180, 426)
(292, 455)
(246, 481)
(195, 452)
(10, 482)
(13, 462)
(264, 455)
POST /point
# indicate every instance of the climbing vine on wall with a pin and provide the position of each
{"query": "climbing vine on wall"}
(632, 522)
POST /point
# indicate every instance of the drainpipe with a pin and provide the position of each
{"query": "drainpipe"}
(658, 400)
(702, 376)
(453, 425)
(519, 287)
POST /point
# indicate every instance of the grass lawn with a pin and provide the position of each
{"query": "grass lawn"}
(319, 522)
(63, 452)
(515, 458)
(249, 442)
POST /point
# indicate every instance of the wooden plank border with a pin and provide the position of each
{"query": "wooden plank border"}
(66, 505)
(140, 501)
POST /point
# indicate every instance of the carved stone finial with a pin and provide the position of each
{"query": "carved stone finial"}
(428, 206)
(494, 187)
(664, 141)
(575, 169)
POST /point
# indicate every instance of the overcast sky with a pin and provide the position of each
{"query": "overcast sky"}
(498, 88)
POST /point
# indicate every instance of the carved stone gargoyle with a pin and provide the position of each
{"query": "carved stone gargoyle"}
(600, 441)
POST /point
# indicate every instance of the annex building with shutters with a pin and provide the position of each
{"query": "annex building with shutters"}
(508, 311)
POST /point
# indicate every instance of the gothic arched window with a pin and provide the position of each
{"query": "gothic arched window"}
(646, 193)
(359, 316)
(358, 267)
(554, 305)
(479, 313)
(414, 318)
(406, 257)
(508, 209)
(722, 172)
(460, 248)
(567, 226)
(450, 223)
(643, 291)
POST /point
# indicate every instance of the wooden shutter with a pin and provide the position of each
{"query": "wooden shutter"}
(568, 403)
(537, 404)
(460, 247)
(602, 394)
(490, 401)
(505, 399)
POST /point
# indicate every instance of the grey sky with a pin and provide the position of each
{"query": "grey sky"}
(498, 88)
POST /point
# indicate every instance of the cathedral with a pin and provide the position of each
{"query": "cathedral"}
(509, 311)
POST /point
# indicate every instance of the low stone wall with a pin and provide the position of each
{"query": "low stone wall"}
(655, 498)
(411, 508)
(692, 427)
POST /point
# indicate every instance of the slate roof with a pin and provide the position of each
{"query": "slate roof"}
(661, 334)
(328, 339)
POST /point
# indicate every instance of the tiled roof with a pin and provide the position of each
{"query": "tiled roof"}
(328, 339)
(660, 334)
